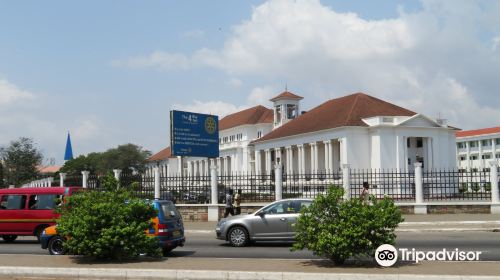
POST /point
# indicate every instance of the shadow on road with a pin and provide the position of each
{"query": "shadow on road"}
(353, 263)
(263, 244)
(17, 242)
(180, 254)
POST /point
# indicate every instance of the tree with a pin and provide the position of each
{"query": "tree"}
(108, 224)
(338, 229)
(2, 185)
(21, 159)
(126, 157)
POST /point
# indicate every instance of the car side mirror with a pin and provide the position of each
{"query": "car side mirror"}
(261, 214)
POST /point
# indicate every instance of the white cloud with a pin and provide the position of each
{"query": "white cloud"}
(261, 95)
(194, 34)
(86, 128)
(436, 60)
(235, 82)
(10, 93)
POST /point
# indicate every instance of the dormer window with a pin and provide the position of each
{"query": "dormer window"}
(278, 114)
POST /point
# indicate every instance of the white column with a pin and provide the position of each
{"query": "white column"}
(226, 168)
(190, 171)
(219, 166)
(289, 160)
(311, 145)
(277, 154)
(467, 160)
(206, 171)
(213, 185)
(328, 155)
(481, 161)
(494, 183)
(117, 173)
(301, 158)
(85, 178)
(156, 171)
(62, 177)
(268, 161)
(278, 181)
(257, 162)
(179, 165)
(420, 208)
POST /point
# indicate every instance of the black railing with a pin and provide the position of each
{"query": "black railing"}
(254, 188)
(308, 185)
(456, 185)
(395, 184)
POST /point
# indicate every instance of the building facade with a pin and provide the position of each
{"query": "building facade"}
(356, 130)
(476, 148)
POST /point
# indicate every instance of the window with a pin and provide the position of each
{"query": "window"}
(259, 134)
(497, 156)
(497, 141)
(278, 114)
(291, 111)
(44, 201)
(462, 158)
(408, 143)
(239, 136)
(13, 202)
(473, 157)
(461, 145)
(387, 119)
(419, 143)
(473, 144)
(486, 143)
(286, 207)
(486, 156)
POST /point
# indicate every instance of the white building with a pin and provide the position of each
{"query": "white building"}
(476, 148)
(358, 130)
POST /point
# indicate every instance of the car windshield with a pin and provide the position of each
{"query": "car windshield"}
(169, 210)
(286, 207)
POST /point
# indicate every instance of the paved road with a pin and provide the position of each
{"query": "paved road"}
(204, 245)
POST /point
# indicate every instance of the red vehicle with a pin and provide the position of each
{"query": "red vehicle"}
(28, 211)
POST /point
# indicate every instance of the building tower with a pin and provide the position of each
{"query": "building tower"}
(286, 108)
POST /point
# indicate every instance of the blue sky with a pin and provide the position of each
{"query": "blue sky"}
(110, 71)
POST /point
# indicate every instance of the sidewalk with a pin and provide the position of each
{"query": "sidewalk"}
(412, 223)
(203, 268)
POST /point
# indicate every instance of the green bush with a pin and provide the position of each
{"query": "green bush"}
(475, 187)
(339, 229)
(487, 186)
(463, 188)
(108, 224)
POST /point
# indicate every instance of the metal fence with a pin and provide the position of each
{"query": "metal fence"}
(254, 188)
(184, 189)
(309, 185)
(400, 186)
(456, 185)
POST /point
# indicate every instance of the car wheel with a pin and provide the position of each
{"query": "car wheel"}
(167, 250)
(238, 237)
(56, 246)
(9, 238)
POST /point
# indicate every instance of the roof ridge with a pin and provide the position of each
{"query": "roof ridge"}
(352, 109)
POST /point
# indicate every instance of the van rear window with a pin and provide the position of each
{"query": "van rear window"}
(169, 210)
(13, 202)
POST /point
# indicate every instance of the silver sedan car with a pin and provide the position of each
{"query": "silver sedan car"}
(274, 222)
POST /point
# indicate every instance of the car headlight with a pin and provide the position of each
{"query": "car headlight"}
(221, 223)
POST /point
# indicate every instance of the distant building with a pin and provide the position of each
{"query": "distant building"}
(359, 130)
(476, 148)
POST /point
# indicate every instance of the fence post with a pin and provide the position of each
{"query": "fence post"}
(49, 181)
(213, 208)
(278, 181)
(420, 207)
(117, 173)
(85, 178)
(157, 182)
(495, 201)
(62, 176)
(346, 179)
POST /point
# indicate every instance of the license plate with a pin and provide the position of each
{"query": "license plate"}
(176, 233)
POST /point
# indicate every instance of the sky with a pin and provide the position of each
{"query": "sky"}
(109, 72)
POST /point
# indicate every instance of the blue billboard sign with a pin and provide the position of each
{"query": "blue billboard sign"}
(193, 134)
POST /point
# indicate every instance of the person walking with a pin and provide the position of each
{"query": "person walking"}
(365, 193)
(229, 204)
(237, 201)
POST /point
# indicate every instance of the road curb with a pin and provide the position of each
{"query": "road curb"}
(113, 273)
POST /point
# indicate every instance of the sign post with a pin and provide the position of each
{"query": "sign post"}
(193, 134)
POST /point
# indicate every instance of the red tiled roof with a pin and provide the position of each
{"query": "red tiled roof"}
(286, 95)
(477, 132)
(48, 169)
(161, 155)
(254, 115)
(344, 111)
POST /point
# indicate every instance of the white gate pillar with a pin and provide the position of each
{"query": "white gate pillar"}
(420, 207)
(346, 178)
(213, 208)
(85, 178)
(495, 200)
(62, 177)
(278, 182)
